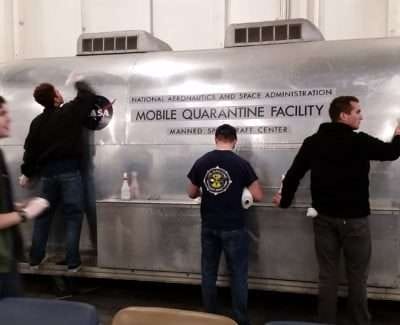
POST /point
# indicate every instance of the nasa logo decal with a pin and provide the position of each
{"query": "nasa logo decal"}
(217, 180)
(100, 114)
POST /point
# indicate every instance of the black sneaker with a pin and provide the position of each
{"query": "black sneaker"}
(74, 268)
(35, 266)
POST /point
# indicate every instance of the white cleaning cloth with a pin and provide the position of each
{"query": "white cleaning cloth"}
(311, 212)
(247, 199)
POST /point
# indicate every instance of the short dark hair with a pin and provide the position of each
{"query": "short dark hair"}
(226, 132)
(44, 94)
(339, 105)
(2, 101)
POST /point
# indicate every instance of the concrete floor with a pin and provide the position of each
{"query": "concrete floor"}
(109, 296)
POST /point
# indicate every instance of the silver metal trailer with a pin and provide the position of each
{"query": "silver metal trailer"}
(167, 107)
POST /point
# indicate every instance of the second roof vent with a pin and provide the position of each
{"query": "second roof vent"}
(278, 31)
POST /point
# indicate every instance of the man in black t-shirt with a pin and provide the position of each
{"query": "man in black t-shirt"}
(222, 175)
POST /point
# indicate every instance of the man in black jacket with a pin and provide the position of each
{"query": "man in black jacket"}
(53, 150)
(339, 161)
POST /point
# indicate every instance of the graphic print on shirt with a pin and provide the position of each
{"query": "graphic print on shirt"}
(217, 180)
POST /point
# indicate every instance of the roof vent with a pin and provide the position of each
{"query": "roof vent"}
(272, 32)
(120, 42)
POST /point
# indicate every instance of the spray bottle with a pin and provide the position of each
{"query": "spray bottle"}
(135, 191)
(125, 191)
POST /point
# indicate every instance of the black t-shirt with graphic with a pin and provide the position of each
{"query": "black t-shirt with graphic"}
(222, 176)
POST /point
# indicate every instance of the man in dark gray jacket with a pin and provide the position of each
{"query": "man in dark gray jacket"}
(53, 151)
(339, 161)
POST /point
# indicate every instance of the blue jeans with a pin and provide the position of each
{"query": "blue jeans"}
(89, 202)
(64, 188)
(234, 244)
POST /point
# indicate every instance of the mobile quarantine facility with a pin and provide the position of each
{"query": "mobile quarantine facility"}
(274, 82)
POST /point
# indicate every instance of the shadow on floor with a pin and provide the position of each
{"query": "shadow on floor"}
(109, 296)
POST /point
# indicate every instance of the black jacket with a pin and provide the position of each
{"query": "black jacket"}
(56, 133)
(339, 160)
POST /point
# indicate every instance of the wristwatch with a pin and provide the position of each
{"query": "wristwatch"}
(22, 214)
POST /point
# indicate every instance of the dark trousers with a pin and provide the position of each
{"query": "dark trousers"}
(10, 284)
(235, 245)
(66, 189)
(89, 203)
(332, 235)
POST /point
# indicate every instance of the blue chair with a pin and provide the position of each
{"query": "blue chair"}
(23, 311)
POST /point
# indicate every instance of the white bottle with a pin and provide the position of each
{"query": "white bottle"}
(125, 191)
(135, 191)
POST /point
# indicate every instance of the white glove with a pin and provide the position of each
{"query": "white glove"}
(23, 181)
(311, 212)
(35, 207)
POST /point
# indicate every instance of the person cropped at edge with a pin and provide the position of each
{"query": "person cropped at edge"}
(11, 246)
(53, 151)
(222, 175)
(339, 160)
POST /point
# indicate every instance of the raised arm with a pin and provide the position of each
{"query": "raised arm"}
(379, 150)
(83, 102)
